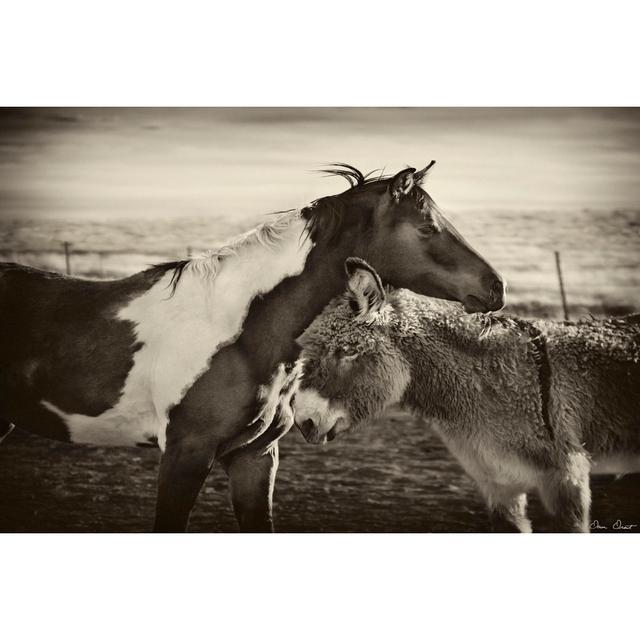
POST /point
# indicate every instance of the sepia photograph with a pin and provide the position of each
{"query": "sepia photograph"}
(309, 312)
(320, 320)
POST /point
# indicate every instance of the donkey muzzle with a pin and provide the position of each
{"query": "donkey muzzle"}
(309, 431)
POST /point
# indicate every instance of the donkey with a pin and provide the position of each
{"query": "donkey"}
(181, 355)
(521, 405)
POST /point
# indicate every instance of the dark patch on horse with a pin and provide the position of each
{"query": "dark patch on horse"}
(62, 342)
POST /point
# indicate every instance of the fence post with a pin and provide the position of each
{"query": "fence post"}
(563, 295)
(67, 256)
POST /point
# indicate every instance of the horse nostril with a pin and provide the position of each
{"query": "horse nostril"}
(497, 290)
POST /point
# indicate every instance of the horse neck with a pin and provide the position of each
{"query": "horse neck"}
(276, 319)
(268, 287)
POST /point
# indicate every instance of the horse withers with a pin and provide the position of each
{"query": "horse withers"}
(182, 354)
(522, 405)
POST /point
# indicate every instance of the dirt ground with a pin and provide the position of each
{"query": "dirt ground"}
(394, 476)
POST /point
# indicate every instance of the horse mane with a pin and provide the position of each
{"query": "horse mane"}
(325, 215)
(352, 175)
(208, 263)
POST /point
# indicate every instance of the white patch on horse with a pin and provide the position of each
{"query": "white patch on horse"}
(181, 333)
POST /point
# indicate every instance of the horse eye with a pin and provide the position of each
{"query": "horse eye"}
(426, 230)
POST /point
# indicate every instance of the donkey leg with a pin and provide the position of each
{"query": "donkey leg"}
(183, 469)
(252, 474)
(507, 504)
(508, 512)
(566, 494)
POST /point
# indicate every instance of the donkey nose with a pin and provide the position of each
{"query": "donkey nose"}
(307, 426)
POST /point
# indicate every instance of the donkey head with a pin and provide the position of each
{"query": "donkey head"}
(352, 368)
(413, 246)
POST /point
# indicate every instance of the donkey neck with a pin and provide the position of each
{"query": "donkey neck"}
(454, 360)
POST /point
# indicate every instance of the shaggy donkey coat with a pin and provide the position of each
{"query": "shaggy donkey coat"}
(522, 405)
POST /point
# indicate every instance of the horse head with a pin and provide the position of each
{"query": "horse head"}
(407, 240)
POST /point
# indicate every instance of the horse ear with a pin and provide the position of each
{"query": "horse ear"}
(402, 183)
(364, 288)
(419, 176)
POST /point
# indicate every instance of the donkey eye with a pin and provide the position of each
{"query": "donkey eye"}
(345, 355)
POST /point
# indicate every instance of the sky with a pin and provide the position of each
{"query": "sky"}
(134, 163)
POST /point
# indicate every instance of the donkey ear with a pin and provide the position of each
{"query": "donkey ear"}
(402, 183)
(364, 288)
(419, 176)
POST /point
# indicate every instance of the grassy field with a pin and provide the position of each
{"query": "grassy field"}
(392, 477)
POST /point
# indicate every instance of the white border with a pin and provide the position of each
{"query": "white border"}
(318, 586)
(331, 53)
(454, 53)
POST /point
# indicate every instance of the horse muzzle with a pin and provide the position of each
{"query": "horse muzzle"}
(494, 300)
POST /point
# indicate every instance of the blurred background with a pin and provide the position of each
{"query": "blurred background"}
(105, 192)
(126, 187)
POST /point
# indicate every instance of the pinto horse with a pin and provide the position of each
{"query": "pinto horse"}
(181, 355)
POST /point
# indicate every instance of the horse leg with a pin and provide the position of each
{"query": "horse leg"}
(5, 429)
(252, 474)
(566, 494)
(184, 467)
